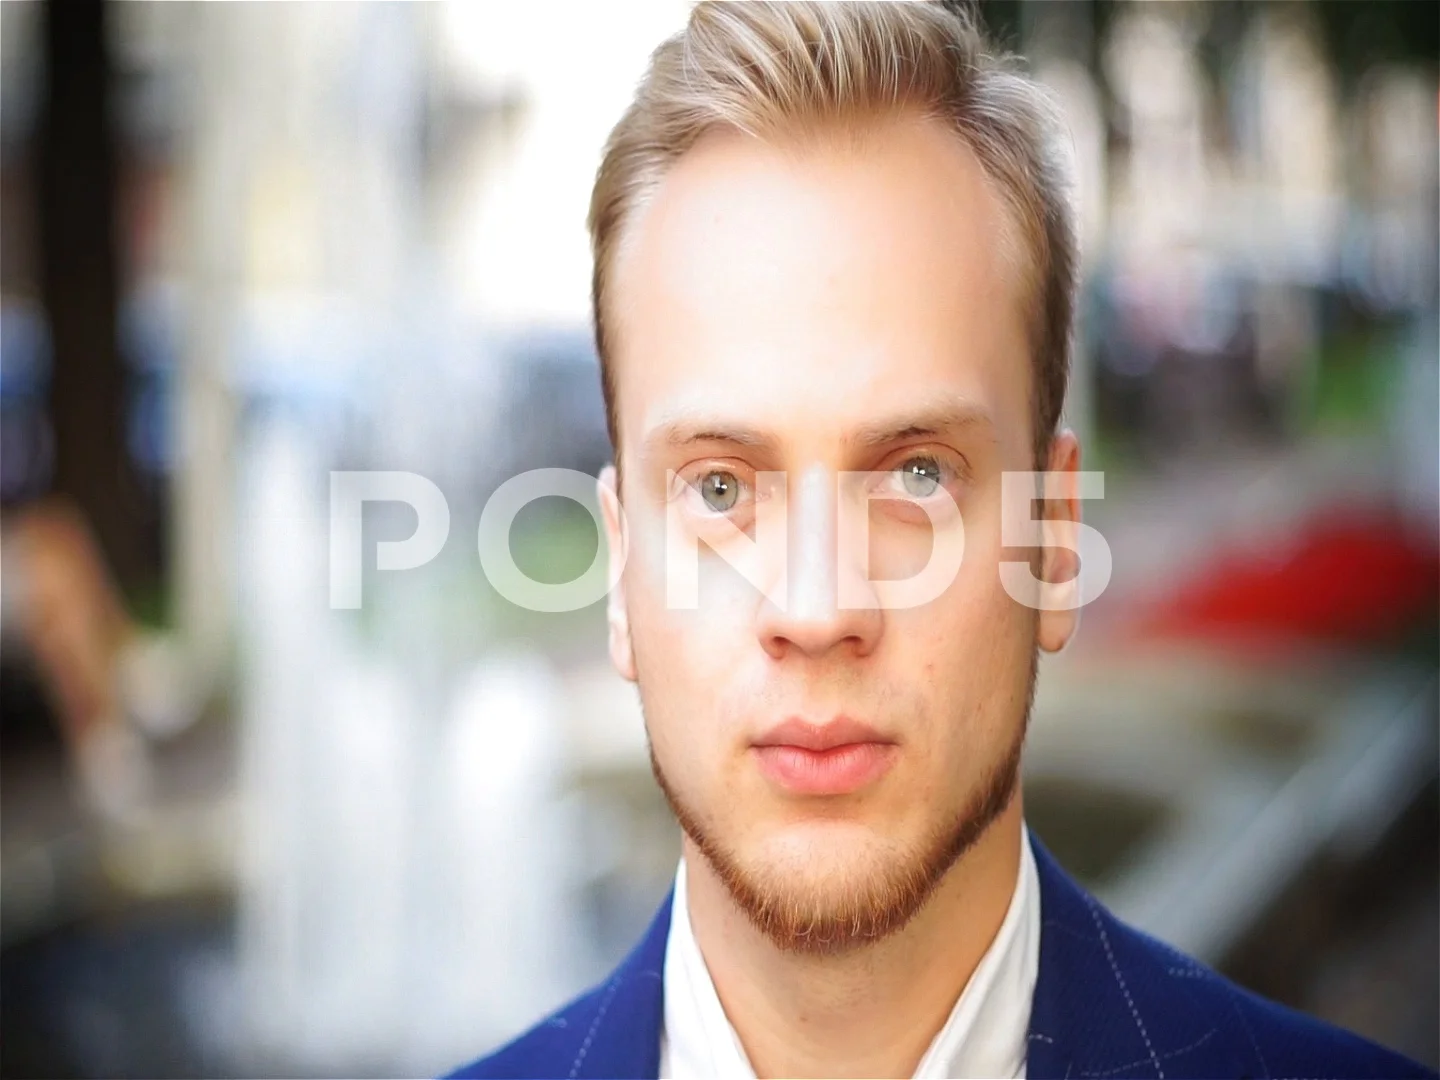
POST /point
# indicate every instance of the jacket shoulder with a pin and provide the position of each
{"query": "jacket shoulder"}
(1114, 1001)
(1290, 1043)
(612, 1030)
(1276, 1040)
(549, 1049)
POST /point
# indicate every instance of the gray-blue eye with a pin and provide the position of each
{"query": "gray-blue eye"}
(720, 490)
(921, 477)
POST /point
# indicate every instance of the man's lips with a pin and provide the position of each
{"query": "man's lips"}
(823, 759)
(842, 731)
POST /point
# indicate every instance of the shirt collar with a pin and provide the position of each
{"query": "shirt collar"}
(984, 1036)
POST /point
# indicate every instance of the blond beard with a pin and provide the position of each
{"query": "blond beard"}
(796, 920)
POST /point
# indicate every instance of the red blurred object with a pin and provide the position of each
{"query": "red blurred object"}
(1347, 579)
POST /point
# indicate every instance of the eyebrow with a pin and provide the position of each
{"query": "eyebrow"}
(943, 417)
(681, 432)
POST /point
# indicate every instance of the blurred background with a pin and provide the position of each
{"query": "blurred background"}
(242, 833)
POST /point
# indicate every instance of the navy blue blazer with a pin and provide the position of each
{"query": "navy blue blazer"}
(1109, 1002)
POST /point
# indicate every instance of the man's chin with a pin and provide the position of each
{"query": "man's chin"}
(824, 887)
(818, 848)
(827, 880)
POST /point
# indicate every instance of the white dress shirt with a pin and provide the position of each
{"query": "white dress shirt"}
(985, 1036)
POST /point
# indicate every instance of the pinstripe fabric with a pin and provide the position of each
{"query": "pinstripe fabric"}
(1110, 1002)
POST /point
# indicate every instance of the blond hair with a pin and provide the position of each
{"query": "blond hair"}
(773, 70)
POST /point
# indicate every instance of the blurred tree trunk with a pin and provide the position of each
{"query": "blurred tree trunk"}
(79, 285)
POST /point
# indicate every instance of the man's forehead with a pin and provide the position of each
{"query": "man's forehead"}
(764, 290)
(737, 198)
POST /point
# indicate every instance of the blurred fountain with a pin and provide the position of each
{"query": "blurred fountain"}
(502, 934)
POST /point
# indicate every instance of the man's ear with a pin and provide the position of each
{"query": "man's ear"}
(1060, 558)
(622, 654)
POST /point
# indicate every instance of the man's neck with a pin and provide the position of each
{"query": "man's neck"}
(870, 1012)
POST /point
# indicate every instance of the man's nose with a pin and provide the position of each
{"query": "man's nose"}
(812, 622)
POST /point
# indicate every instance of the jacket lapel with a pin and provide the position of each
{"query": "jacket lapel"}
(624, 1035)
(1104, 999)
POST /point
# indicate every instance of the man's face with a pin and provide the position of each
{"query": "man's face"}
(849, 307)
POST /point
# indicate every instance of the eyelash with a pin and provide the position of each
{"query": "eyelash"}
(953, 469)
(686, 482)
